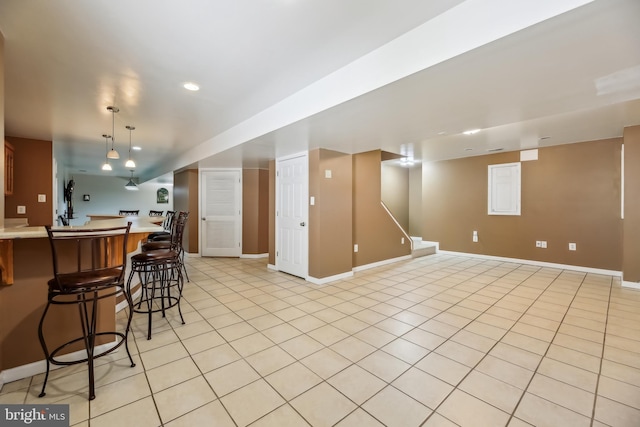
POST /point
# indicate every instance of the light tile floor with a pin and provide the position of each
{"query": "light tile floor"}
(435, 341)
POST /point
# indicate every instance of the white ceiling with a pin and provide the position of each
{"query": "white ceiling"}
(282, 76)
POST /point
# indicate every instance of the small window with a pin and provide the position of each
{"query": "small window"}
(504, 189)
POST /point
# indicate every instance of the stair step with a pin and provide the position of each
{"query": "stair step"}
(421, 248)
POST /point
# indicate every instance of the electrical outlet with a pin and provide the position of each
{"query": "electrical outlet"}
(544, 244)
(538, 244)
(355, 248)
(475, 236)
(22, 209)
(572, 246)
(42, 198)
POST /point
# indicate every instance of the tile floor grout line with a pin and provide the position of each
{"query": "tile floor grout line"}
(249, 278)
(431, 351)
(202, 374)
(604, 344)
(325, 380)
(492, 347)
(545, 354)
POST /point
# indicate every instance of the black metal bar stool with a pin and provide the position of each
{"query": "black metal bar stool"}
(88, 266)
(164, 242)
(167, 225)
(160, 274)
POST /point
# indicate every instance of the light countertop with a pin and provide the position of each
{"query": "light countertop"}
(139, 224)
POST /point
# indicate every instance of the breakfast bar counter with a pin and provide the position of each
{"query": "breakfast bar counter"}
(26, 267)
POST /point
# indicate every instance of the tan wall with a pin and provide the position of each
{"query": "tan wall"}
(330, 218)
(395, 192)
(272, 212)
(415, 201)
(185, 198)
(374, 231)
(570, 194)
(2, 209)
(631, 239)
(255, 205)
(33, 175)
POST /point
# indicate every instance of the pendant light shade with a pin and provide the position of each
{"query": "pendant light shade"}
(113, 154)
(131, 185)
(130, 163)
(106, 166)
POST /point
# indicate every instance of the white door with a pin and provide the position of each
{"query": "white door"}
(221, 216)
(292, 184)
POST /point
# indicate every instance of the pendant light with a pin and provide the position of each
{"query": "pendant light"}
(131, 185)
(113, 154)
(106, 166)
(130, 163)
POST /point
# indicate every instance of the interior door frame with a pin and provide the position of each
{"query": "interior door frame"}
(202, 230)
(304, 154)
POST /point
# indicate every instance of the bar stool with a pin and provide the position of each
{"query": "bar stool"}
(129, 213)
(160, 274)
(88, 266)
(155, 213)
(164, 242)
(166, 225)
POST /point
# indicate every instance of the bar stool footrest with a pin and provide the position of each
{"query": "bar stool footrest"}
(54, 353)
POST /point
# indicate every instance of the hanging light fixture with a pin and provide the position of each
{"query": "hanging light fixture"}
(113, 154)
(130, 163)
(131, 185)
(106, 166)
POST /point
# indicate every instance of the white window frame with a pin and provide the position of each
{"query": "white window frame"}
(511, 190)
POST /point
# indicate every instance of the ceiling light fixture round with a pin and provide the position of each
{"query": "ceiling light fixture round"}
(471, 132)
(191, 86)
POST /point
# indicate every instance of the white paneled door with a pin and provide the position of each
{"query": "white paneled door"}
(292, 184)
(221, 215)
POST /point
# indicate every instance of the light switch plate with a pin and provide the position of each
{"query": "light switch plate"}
(327, 173)
(42, 198)
(22, 209)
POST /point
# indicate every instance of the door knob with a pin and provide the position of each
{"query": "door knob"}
(302, 224)
(204, 219)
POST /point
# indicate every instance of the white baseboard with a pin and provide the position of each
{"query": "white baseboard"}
(272, 267)
(539, 263)
(324, 280)
(39, 367)
(632, 285)
(381, 263)
(254, 256)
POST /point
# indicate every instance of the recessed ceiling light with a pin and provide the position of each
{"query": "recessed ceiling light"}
(442, 133)
(471, 132)
(542, 138)
(493, 150)
(191, 86)
(136, 148)
(468, 149)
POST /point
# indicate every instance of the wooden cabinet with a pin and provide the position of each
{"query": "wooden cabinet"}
(8, 169)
